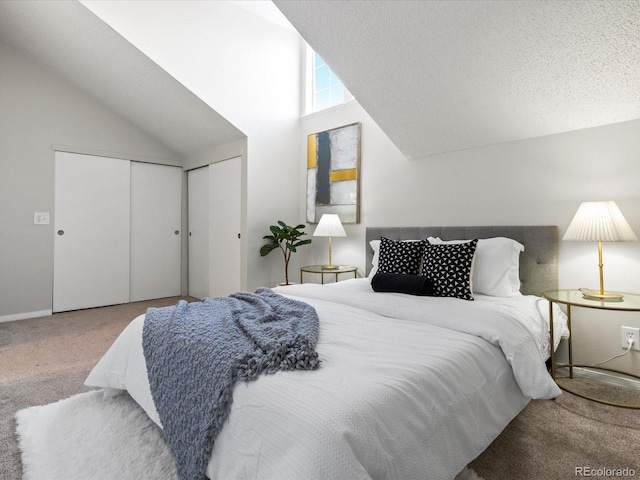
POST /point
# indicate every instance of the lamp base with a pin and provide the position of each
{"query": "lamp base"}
(330, 267)
(602, 296)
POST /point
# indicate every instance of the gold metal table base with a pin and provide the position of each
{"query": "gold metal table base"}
(574, 297)
(589, 397)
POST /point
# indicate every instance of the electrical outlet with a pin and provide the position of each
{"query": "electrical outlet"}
(633, 334)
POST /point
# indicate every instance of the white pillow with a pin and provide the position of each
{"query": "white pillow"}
(496, 269)
(375, 245)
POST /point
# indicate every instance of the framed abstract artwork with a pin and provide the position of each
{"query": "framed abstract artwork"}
(333, 173)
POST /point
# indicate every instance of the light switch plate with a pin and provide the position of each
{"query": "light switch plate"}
(41, 218)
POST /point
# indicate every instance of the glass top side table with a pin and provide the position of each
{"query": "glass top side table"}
(575, 298)
(323, 270)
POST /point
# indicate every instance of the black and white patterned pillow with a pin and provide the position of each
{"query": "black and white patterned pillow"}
(448, 266)
(400, 257)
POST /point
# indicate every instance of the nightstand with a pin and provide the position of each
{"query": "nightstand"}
(574, 298)
(323, 270)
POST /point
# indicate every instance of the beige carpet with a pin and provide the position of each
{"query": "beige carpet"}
(550, 439)
(47, 359)
(43, 360)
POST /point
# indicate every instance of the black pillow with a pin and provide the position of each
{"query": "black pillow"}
(400, 257)
(448, 266)
(402, 283)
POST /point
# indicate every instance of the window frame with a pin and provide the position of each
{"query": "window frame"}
(310, 106)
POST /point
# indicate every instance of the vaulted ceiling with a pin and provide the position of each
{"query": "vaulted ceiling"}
(439, 76)
(69, 39)
(436, 76)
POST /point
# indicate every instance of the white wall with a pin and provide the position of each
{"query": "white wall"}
(539, 181)
(39, 109)
(248, 70)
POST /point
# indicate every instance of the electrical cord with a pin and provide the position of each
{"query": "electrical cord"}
(630, 341)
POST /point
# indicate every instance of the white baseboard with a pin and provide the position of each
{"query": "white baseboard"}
(24, 316)
(610, 378)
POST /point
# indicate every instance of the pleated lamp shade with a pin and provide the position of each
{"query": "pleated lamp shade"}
(599, 222)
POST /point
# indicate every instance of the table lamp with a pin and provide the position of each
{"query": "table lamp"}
(600, 222)
(330, 226)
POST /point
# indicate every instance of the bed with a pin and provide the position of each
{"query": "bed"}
(409, 386)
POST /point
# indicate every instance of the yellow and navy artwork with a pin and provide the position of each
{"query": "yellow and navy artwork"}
(333, 174)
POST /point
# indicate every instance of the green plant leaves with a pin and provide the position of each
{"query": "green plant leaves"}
(284, 236)
(287, 239)
(266, 249)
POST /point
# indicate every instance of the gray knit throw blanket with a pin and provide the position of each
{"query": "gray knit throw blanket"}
(196, 353)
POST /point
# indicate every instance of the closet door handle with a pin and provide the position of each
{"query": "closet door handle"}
(177, 232)
(60, 232)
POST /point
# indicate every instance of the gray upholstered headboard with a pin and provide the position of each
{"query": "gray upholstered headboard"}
(538, 262)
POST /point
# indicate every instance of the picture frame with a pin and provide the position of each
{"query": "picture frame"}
(333, 173)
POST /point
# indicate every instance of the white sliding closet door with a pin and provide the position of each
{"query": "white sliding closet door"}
(198, 198)
(91, 231)
(224, 215)
(156, 197)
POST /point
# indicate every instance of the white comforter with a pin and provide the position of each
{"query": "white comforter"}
(409, 387)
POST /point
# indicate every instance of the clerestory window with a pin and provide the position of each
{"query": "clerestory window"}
(326, 89)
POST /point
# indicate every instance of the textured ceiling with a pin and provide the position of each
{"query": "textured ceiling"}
(69, 39)
(436, 76)
(440, 76)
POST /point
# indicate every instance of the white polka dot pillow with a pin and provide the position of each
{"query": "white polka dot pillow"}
(448, 266)
(400, 257)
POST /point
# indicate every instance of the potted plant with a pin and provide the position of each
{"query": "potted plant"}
(287, 238)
